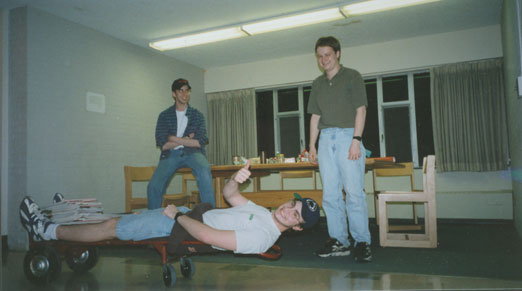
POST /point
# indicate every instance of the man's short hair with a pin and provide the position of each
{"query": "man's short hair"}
(177, 84)
(328, 41)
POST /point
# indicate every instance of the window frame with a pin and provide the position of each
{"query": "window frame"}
(410, 103)
(278, 115)
(381, 107)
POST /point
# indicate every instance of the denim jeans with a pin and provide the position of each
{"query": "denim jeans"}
(167, 167)
(337, 171)
(146, 224)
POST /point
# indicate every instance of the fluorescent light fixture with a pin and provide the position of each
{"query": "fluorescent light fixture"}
(293, 21)
(373, 6)
(198, 38)
(275, 24)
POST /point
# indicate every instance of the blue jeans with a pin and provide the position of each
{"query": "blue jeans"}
(338, 172)
(167, 167)
(146, 224)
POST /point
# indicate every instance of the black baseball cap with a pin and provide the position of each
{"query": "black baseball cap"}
(180, 83)
(309, 211)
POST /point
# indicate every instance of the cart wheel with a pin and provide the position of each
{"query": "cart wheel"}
(84, 262)
(187, 267)
(169, 275)
(42, 265)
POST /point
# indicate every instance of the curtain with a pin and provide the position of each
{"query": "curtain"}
(232, 125)
(469, 116)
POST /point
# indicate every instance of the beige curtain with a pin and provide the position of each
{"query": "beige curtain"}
(232, 125)
(469, 116)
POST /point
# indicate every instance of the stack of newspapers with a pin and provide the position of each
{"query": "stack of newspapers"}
(77, 211)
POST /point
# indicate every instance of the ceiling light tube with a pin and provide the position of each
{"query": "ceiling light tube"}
(373, 6)
(198, 38)
(293, 21)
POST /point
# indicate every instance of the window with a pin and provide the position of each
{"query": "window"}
(282, 124)
(398, 118)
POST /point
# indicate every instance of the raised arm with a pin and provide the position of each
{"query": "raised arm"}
(225, 239)
(231, 190)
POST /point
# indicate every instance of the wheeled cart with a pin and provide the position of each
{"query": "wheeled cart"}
(43, 261)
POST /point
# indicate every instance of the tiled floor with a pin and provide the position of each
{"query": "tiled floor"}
(141, 270)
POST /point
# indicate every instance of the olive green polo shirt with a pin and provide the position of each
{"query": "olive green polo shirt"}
(337, 100)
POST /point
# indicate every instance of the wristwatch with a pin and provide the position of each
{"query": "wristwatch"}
(357, 137)
(177, 215)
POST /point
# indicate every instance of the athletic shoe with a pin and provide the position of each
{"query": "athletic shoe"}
(333, 248)
(362, 253)
(58, 198)
(28, 213)
(33, 220)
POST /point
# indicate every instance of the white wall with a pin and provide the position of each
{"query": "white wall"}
(406, 54)
(66, 148)
(460, 195)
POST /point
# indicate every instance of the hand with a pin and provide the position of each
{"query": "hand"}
(243, 174)
(170, 211)
(312, 155)
(190, 136)
(354, 153)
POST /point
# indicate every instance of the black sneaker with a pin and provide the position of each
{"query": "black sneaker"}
(33, 220)
(362, 253)
(333, 248)
(28, 213)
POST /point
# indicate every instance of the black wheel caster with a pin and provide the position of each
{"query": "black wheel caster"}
(169, 275)
(42, 265)
(83, 262)
(187, 267)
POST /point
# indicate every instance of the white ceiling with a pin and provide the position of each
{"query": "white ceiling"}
(140, 21)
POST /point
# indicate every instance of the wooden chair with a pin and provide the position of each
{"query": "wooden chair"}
(405, 171)
(297, 174)
(143, 174)
(192, 199)
(428, 239)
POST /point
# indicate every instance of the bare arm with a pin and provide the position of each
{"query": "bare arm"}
(231, 190)
(314, 133)
(225, 239)
(360, 117)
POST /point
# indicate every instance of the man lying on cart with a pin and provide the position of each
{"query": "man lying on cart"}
(244, 228)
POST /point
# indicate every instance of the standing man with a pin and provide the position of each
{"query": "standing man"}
(338, 107)
(181, 135)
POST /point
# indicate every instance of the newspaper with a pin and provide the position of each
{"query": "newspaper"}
(77, 211)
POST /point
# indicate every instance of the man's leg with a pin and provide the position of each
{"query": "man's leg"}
(88, 232)
(160, 179)
(201, 169)
(41, 228)
(352, 172)
(333, 204)
(146, 224)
